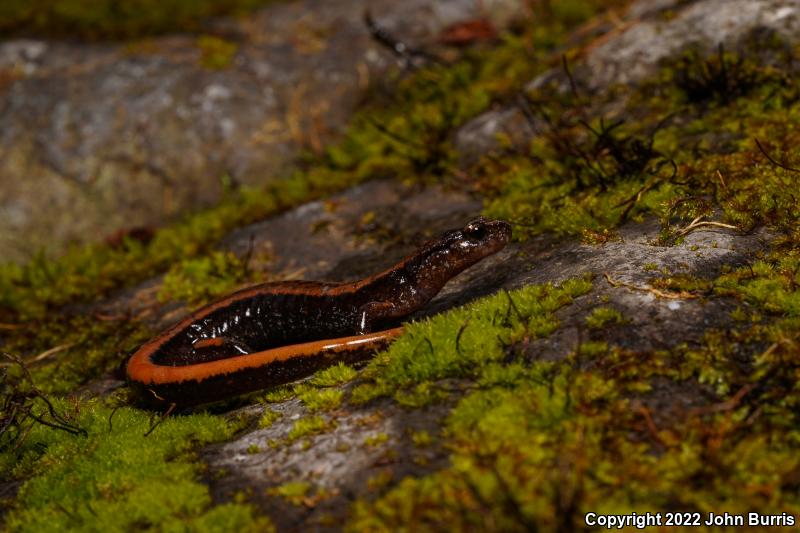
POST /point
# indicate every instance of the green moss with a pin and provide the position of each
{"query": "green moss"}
(584, 428)
(107, 19)
(333, 375)
(198, 280)
(67, 350)
(279, 394)
(216, 53)
(380, 480)
(770, 285)
(115, 478)
(268, 418)
(378, 439)
(317, 400)
(294, 492)
(421, 438)
(602, 316)
(592, 349)
(310, 425)
(588, 174)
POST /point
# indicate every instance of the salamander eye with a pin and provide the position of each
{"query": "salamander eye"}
(475, 230)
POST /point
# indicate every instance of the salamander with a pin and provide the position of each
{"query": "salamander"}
(278, 332)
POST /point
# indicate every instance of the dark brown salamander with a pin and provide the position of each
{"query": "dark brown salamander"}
(275, 333)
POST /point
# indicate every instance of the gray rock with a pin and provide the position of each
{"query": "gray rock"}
(339, 462)
(98, 137)
(634, 50)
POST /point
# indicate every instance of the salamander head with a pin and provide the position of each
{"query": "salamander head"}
(412, 282)
(461, 248)
(480, 238)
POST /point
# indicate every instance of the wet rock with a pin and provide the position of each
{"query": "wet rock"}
(98, 137)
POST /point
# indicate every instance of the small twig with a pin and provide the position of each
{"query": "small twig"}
(728, 405)
(722, 180)
(47, 353)
(772, 160)
(58, 418)
(458, 337)
(572, 85)
(651, 424)
(113, 412)
(161, 419)
(392, 135)
(430, 346)
(69, 429)
(698, 223)
(682, 295)
(513, 306)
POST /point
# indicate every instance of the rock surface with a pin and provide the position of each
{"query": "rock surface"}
(633, 48)
(94, 138)
(369, 227)
(339, 461)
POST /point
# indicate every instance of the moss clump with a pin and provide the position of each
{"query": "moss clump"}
(116, 479)
(268, 418)
(421, 439)
(294, 492)
(310, 425)
(279, 394)
(67, 350)
(602, 316)
(216, 53)
(333, 375)
(770, 285)
(376, 440)
(198, 280)
(317, 400)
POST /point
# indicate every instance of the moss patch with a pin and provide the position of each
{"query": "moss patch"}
(109, 19)
(603, 316)
(310, 425)
(115, 478)
(551, 442)
(590, 172)
(321, 400)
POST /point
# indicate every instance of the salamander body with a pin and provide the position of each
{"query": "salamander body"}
(275, 333)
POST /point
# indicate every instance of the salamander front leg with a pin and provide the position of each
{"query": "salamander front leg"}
(223, 344)
(370, 313)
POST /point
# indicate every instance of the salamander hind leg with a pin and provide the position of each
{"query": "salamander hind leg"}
(373, 312)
